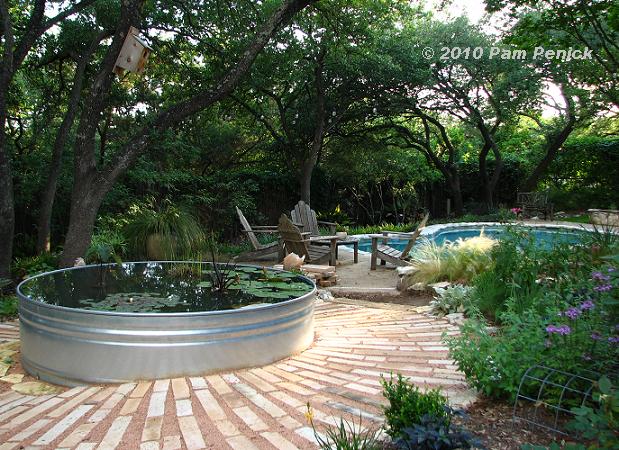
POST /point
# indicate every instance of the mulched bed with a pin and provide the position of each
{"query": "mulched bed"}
(492, 423)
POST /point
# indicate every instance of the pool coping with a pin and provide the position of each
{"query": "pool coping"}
(430, 230)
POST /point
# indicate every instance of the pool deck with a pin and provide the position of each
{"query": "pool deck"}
(260, 408)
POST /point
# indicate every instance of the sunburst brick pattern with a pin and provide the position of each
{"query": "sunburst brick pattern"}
(247, 409)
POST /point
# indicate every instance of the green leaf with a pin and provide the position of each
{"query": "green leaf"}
(605, 385)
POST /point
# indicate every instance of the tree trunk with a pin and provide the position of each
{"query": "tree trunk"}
(49, 191)
(7, 206)
(85, 203)
(553, 145)
(456, 193)
(307, 168)
(7, 209)
(489, 182)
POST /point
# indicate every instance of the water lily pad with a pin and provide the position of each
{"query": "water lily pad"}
(204, 284)
(13, 378)
(36, 388)
(249, 269)
(258, 293)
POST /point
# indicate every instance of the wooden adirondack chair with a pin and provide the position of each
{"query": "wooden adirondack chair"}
(386, 253)
(533, 203)
(304, 215)
(300, 244)
(260, 250)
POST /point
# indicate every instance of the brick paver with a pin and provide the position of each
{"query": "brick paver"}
(256, 408)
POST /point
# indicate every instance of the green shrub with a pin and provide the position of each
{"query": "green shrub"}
(32, 265)
(372, 229)
(8, 303)
(105, 247)
(8, 306)
(598, 426)
(522, 271)
(571, 329)
(408, 405)
(437, 433)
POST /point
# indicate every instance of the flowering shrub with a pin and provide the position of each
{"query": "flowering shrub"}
(591, 326)
(569, 320)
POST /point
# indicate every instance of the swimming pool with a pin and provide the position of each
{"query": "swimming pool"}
(546, 236)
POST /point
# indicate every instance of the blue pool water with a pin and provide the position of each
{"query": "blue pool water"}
(546, 237)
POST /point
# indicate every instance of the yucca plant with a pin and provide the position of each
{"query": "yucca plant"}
(169, 232)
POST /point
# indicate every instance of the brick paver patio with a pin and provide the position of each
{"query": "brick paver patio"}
(247, 409)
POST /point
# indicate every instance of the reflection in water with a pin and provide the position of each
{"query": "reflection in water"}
(162, 287)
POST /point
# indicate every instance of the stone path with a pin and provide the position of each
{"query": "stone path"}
(248, 409)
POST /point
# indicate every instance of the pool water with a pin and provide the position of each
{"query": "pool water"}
(545, 237)
(161, 287)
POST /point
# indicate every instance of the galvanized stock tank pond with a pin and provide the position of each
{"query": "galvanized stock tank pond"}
(113, 323)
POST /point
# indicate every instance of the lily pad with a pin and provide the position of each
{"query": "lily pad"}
(36, 388)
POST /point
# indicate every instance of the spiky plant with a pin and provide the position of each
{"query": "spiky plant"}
(172, 230)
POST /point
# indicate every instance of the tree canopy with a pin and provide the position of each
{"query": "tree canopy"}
(368, 109)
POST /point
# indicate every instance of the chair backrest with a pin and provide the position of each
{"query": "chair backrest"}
(416, 234)
(533, 199)
(248, 231)
(292, 237)
(303, 214)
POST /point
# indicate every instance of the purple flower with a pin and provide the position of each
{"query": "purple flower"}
(596, 336)
(613, 339)
(599, 276)
(603, 288)
(572, 313)
(611, 269)
(562, 330)
(587, 304)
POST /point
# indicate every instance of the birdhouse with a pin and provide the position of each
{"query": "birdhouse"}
(133, 54)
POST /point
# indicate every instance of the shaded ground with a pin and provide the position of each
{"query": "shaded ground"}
(492, 422)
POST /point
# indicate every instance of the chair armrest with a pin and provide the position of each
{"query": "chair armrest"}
(264, 227)
(261, 231)
(324, 238)
(404, 236)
